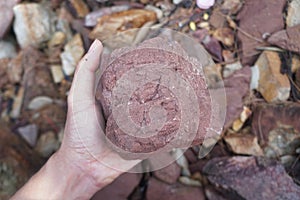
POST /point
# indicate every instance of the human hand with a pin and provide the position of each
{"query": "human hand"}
(79, 168)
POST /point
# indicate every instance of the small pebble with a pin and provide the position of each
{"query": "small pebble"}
(193, 26)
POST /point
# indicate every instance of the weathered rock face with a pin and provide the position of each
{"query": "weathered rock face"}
(169, 174)
(152, 54)
(287, 39)
(251, 178)
(257, 18)
(33, 24)
(272, 85)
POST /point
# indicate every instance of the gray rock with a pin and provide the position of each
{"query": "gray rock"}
(29, 134)
(7, 49)
(33, 24)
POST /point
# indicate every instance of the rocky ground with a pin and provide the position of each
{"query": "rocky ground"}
(255, 45)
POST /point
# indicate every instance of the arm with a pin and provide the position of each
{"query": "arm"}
(79, 168)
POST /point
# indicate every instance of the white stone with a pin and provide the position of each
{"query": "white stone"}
(72, 54)
(39, 102)
(33, 24)
(293, 16)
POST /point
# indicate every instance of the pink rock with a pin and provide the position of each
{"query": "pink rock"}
(205, 4)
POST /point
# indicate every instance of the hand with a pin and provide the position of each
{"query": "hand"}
(77, 169)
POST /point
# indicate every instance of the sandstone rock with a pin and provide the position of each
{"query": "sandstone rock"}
(57, 39)
(287, 39)
(168, 174)
(293, 16)
(91, 19)
(231, 6)
(47, 144)
(252, 178)
(33, 24)
(120, 189)
(225, 35)
(29, 133)
(272, 85)
(238, 123)
(111, 25)
(79, 7)
(3, 76)
(72, 54)
(159, 190)
(7, 15)
(217, 19)
(15, 68)
(244, 144)
(255, 18)
(7, 49)
(57, 73)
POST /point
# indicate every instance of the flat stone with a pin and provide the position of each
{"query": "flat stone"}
(251, 178)
(7, 15)
(39, 102)
(72, 54)
(91, 19)
(254, 19)
(293, 15)
(168, 174)
(29, 133)
(119, 22)
(243, 144)
(33, 24)
(47, 144)
(160, 190)
(217, 19)
(287, 39)
(7, 49)
(272, 85)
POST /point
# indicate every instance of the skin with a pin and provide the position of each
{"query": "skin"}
(74, 172)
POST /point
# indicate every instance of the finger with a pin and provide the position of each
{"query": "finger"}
(82, 91)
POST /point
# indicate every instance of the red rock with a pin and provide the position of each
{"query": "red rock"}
(256, 19)
(168, 174)
(7, 15)
(237, 87)
(213, 46)
(287, 39)
(120, 189)
(252, 178)
(158, 190)
(190, 156)
(217, 19)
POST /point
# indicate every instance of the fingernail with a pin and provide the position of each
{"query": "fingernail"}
(95, 45)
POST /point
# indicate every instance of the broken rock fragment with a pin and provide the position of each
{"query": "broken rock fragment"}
(287, 39)
(72, 54)
(168, 174)
(252, 178)
(293, 16)
(7, 15)
(33, 24)
(272, 85)
(256, 19)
